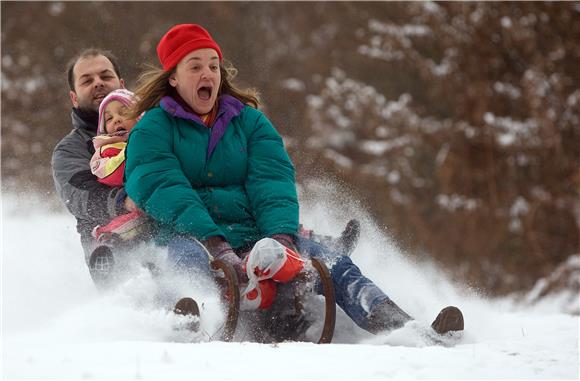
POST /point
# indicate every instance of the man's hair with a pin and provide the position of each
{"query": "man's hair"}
(91, 52)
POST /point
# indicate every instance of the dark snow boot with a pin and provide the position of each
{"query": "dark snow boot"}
(386, 316)
(188, 307)
(348, 239)
(101, 264)
(449, 319)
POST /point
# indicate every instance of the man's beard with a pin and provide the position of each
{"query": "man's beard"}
(91, 105)
(88, 107)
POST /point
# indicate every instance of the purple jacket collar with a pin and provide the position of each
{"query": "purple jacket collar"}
(228, 108)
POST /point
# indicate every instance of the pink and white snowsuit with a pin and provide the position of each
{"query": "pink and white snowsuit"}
(108, 164)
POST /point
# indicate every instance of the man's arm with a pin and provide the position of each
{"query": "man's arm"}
(78, 188)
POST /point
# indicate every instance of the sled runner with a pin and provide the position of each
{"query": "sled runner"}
(294, 323)
(299, 309)
(229, 285)
(313, 279)
(231, 293)
(329, 301)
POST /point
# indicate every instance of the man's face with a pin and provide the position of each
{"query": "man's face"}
(94, 78)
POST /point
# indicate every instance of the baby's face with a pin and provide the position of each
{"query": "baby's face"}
(116, 122)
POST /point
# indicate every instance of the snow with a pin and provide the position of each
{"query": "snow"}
(56, 9)
(573, 98)
(339, 159)
(293, 84)
(390, 40)
(397, 30)
(457, 202)
(55, 325)
(378, 147)
(508, 89)
(511, 131)
(520, 207)
(563, 285)
(506, 22)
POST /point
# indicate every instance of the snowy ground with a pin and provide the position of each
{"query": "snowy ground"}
(55, 325)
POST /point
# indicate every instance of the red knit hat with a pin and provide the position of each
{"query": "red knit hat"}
(181, 40)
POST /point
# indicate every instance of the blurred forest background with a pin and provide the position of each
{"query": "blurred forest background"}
(455, 124)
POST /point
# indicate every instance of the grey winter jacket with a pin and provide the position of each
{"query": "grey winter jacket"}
(91, 202)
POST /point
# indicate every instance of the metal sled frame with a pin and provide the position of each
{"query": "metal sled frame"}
(230, 283)
(329, 301)
(233, 297)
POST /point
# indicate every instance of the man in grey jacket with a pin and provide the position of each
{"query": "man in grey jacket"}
(92, 74)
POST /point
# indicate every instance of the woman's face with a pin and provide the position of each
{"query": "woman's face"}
(197, 79)
(116, 122)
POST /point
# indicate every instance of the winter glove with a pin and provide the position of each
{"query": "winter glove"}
(268, 262)
(269, 259)
(286, 240)
(126, 227)
(220, 249)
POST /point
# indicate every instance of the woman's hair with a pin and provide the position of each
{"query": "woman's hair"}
(249, 96)
(153, 84)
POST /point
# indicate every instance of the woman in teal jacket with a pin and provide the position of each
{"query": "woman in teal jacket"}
(205, 163)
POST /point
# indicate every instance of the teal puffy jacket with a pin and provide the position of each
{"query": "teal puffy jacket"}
(234, 180)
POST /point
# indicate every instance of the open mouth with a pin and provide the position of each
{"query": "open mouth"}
(120, 132)
(204, 92)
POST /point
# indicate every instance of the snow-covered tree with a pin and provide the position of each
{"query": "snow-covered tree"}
(476, 153)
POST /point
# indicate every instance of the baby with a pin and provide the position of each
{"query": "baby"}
(108, 162)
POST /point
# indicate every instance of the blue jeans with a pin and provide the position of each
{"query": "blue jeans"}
(355, 293)
(187, 256)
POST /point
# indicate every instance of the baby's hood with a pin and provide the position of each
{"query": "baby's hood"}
(124, 96)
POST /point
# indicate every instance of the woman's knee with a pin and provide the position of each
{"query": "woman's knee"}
(186, 253)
